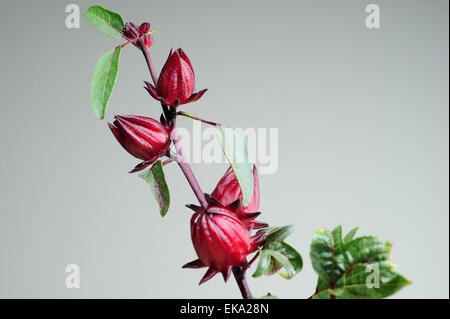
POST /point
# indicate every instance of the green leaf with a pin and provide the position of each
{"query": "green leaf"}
(103, 81)
(360, 281)
(234, 148)
(294, 257)
(263, 264)
(275, 254)
(350, 235)
(277, 234)
(368, 249)
(290, 253)
(274, 267)
(353, 268)
(321, 254)
(354, 284)
(157, 181)
(283, 261)
(107, 22)
(337, 239)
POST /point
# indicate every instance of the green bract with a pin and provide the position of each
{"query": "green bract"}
(275, 254)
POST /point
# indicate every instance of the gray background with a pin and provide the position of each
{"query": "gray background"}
(363, 127)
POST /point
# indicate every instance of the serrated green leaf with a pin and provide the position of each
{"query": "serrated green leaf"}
(345, 271)
(360, 281)
(103, 81)
(234, 148)
(353, 285)
(321, 254)
(107, 22)
(368, 249)
(157, 181)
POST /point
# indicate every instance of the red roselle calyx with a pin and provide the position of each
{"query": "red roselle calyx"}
(221, 241)
(176, 83)
(142, 137)
(228, 191)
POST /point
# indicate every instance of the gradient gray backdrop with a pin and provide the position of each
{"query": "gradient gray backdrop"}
(363, 127)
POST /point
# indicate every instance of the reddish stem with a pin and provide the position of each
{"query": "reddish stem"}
(186, 168)
(151, 68)
(197, 118)
(238, 272)
(180, 159)
(239, 275)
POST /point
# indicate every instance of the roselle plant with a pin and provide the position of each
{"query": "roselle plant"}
(225, 234)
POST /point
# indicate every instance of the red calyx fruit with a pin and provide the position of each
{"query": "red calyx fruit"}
(221, 241)
(176, 82)
(142, 137)
(228, 191)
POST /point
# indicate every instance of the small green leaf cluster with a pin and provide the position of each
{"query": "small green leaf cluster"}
(350, 268)
(275, 254)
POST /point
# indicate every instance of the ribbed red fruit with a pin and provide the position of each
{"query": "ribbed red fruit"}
(228, 191)
(142, 137)
(221, 241)
(176, 82)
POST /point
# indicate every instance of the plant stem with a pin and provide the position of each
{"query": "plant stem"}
(239, 275)
(238, 272)
(197, 118)
(167, 161)
(181, 159)
(151, 68)
(186, 168)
